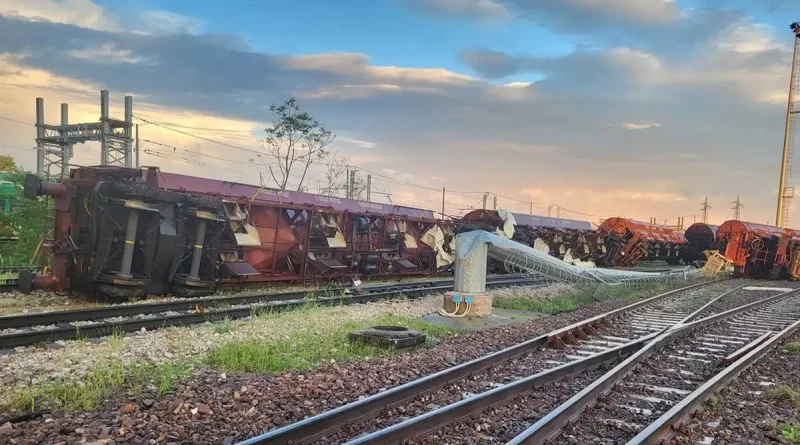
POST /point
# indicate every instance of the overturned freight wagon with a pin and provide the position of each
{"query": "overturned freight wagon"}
(756, 250)
(628, 241)
(128, 232)
(567, 239)
(700, 237)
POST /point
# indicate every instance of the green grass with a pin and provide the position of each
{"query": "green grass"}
(790, 433)
(566, 302)
(314, 347)
(793, 347)
(223, 326)
(102, 383)
(784, 393)
(571, 300)
(712, 402)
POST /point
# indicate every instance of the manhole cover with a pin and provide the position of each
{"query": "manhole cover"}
(392, 336)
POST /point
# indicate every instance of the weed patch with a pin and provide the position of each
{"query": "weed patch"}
(99, 385)
(784, 393)
(793, 347)
(790, 433)
(570, 299)
(315, 347)
(223, 326)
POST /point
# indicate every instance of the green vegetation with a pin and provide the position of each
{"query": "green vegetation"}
(101, 383)
(572, 299)
(784, 393)
(712, 402)
(314, 347)
(793, 347)
(223, 326)
(26, 219)
(790, 433)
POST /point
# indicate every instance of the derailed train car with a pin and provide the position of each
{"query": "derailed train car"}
(628, 241)
(128, 232)
(567, 239)
(700, 237)
(756, 250)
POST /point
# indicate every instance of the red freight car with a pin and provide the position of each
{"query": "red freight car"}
(628, 241)
(129, 232)
(756, 250)
(557, 236)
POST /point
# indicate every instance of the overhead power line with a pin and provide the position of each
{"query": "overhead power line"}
(186, 133)
(17, 121)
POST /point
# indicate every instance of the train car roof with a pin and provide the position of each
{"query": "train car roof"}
(750, 226)
(546, 221)
(235, 190)
(710, 226)
(523, 219)
(652, 232)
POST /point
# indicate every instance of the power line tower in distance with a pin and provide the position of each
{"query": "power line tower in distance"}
(737, 209)
(704, 207)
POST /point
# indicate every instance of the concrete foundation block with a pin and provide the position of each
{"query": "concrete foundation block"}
(481, 305)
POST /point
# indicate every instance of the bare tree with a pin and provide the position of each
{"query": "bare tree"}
(294, 141)
(338, 182)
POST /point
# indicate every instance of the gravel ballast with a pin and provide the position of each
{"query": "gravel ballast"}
(212, 407)
(747, 411)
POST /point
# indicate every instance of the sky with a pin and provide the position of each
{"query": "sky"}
(639, 108)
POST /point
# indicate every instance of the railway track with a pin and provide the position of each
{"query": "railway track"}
(640, 400)
(44, 327)
(472, 386)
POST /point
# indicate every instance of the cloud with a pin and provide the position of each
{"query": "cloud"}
(83, 13)
(550, 137)
(106, 53)
(562, 14)
(481, 9)
(158, 20)
(639, 126)
(647, 12)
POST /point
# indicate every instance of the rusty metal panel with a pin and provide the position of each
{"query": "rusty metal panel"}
(648, 232)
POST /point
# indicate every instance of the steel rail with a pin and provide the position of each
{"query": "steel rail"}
(424, 424)
(320, 425)
(664, 427)
(131, 325)
(548, 427)
(188, 304)
(431, 421)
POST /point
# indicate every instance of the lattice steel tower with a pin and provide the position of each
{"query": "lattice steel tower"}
(737, 208)
(54, 143)
(786, 193)
(704, 207)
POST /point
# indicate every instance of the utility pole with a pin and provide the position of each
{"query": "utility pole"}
(737, 206)
(137, 145)
(704, 207)
(347, 183)
(558, 211)
(550, 211)
(485, 197)
(494, 205)
(530, 212)
(443, 194)
(369, 188)
(783, 192)
(353, 184)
